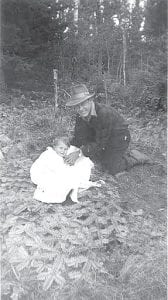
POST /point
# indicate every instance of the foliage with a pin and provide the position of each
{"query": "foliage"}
(148, 90)
(61, 246)
(93, 249)
(40, 36)
(29, 31)
(155, 18)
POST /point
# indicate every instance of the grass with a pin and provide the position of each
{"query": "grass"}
(112, 253)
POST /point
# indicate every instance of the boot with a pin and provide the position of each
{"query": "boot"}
(135, 158)
(140, 157)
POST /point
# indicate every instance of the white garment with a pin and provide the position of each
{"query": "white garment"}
(55, 179)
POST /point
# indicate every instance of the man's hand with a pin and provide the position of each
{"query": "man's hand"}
(71, 158)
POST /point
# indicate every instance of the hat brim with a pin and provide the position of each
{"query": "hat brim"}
(75, 102)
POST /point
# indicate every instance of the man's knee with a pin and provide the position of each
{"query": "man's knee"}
(115, 163)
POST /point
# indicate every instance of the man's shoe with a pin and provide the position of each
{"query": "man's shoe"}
(140, 157)
(135, 158)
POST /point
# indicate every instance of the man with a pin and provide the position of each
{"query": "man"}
(101, 133)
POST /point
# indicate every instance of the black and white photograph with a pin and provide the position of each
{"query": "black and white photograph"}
(83, 149)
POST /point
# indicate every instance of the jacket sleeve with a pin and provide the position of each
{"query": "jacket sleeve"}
(103, 128)
(81, 133)
(92, 141)
(93, 149)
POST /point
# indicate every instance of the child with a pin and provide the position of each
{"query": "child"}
(54, 178)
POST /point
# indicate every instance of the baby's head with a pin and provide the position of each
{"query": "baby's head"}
(61, 145)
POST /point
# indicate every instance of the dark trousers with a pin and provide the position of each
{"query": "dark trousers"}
(113, 157)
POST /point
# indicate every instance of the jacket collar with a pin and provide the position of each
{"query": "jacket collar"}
(93, 110)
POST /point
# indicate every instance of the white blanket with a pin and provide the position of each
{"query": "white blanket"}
(55, 179)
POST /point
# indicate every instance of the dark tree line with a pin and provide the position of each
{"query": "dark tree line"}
(96, 41)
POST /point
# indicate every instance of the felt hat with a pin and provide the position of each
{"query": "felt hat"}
(79, 94)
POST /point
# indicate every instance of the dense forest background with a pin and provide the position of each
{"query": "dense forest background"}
(115, 47)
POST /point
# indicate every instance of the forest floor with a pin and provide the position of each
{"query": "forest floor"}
(111, 245)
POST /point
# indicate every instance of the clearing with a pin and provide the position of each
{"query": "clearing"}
(112, 245)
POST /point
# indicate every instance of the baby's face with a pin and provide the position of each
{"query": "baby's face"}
(61, 149)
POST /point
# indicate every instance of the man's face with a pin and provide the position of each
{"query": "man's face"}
(84, 108)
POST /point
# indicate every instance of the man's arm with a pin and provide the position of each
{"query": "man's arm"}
(93, 149)
(93, 140)
(80, 133)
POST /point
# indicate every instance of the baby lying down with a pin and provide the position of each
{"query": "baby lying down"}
(55, 179)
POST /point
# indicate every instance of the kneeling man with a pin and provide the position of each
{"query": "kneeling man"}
(100, 132)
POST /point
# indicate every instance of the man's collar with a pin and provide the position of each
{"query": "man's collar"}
(93, 110)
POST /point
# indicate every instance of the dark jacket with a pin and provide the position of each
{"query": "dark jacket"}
(106, 130)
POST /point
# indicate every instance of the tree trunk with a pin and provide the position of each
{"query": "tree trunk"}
(141, 62)
(108, 58)
(99, 21)
(100, 60)
(76, 15)
(124, 56)
(55, 71)
(105, 88)
(2, 80)
(119, 69)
